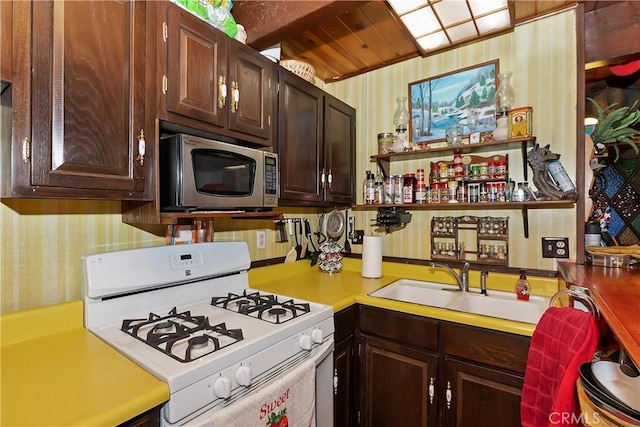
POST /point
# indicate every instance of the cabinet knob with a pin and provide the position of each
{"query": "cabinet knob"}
(432, 389)
(142, 147)
(235, 97)
(26, 150)
(448, 395)
(329, 178)
(222, 92)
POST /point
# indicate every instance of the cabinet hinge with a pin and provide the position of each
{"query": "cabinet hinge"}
(269, 120)
(359, 349)
(165, 84)
(358, 417)
(165, 32)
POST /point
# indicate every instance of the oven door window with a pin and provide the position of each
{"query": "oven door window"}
(222, 173)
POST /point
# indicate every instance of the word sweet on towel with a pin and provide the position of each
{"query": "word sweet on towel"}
(276, 419)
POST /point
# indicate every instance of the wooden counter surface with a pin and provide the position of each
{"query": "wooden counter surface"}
(617, 293)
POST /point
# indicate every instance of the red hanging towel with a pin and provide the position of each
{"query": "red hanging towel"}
(564, 339)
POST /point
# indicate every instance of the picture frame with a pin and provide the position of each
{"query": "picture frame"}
(464, 97)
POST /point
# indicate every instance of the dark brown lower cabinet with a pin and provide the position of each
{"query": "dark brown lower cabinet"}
(396, 384)
(416, 371)
(344, 368)
(481, 396)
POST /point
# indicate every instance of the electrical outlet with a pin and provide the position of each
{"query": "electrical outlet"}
(555, 247)
(261, 239)
(357, 238)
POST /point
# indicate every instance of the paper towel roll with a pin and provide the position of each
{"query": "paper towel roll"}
(372, 257)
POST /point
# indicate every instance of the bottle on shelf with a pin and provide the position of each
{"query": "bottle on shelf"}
(369, 189)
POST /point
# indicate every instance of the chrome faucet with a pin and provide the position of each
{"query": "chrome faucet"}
(462, 279)
(483, 282)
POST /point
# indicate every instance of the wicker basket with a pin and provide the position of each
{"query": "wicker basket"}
(299, 68)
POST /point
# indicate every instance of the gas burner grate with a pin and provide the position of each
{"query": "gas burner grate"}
(265, 307)
(182, 336)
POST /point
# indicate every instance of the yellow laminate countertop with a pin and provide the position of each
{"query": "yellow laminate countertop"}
(348, 287)
(54, 372)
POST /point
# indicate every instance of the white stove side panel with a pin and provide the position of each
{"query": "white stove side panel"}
(121, 272)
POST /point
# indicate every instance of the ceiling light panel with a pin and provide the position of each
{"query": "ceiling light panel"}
(481, 7)
(493, 22)
(462, 32)
(433, 41)
(452, 12)
(403, 6)
(421, 22)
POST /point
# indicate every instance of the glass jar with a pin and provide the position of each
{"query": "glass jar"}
(378, 193)
(398, 184)
(505, 95)
(519, 195)
(453, 191)
(454, 134)
(444, 193)
(408, 188)
(484, 170)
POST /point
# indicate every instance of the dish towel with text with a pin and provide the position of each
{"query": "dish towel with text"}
(564, 338)
(288, 400)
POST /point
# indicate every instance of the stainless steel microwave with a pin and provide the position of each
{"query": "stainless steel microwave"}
(204, 174)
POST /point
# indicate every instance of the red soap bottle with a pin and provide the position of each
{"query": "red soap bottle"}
(522, 287)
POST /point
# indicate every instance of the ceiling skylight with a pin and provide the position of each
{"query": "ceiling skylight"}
(437, 24)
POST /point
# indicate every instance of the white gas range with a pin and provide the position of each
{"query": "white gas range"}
(187, 315)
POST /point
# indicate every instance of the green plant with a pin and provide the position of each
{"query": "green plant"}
(616, 127)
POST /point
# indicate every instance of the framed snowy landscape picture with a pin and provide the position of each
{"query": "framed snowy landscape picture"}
(463, 97)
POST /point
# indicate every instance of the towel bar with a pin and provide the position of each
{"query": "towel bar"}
(578, 293)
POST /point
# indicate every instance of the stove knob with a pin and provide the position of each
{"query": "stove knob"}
(305, 342)
(222, 388)
(243, 376)
(316, 336)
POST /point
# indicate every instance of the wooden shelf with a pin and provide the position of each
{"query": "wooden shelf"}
(383, 160)
(168, 218)
(523, 206)
(533, 204)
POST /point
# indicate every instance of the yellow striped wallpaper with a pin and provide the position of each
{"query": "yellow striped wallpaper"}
(42, 240)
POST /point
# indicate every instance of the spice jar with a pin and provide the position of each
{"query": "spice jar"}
(408, 188)
(484, 170)
(435, 192)
(453, 191)
(398, 184)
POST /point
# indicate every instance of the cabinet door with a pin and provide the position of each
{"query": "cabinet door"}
(79, 97)
(343, 397)
(339, 150)
(252, 88)
(196, 68)
(6, 18)
(480, 396)
(395, 384)
(300, 117)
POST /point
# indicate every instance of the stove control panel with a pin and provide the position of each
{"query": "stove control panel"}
(180, 261)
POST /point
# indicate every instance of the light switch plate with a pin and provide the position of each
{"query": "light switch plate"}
(555, 247)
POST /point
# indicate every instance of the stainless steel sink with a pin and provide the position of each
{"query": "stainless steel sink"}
(426, 293)
(503, 305)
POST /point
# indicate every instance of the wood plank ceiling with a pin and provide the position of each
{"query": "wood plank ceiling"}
(342, 38)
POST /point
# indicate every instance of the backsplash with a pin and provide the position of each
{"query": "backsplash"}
(42, 240)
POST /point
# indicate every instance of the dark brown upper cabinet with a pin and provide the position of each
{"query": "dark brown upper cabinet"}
(316, 145)
(78, 102)
(212, 83)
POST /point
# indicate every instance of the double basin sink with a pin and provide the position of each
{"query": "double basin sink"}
(502, 305)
